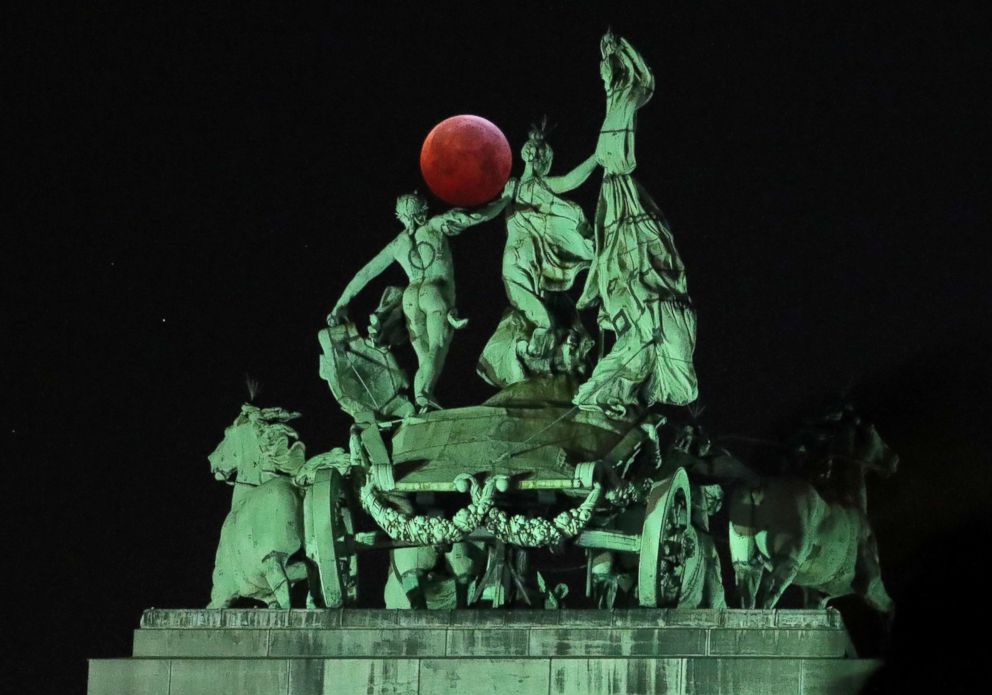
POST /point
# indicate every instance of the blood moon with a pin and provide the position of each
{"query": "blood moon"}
(466, 160)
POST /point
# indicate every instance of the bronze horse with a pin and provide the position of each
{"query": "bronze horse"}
(810, 526)
(259, 553)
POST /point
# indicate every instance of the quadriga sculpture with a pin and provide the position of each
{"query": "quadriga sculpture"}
(260, 551)
(810, 527)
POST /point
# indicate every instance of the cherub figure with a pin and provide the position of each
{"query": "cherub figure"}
(422, 251)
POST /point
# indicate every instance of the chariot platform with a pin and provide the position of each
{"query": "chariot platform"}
(471, 652)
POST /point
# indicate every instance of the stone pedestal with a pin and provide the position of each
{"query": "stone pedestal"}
(469, 652)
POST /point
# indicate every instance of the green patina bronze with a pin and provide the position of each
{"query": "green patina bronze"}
(428, 303)
(572, 452)
(637, 279)
(577, 453)
(260, 551)
(810, 526)
(548, 242)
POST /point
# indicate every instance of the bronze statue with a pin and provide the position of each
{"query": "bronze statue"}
(800, 529)
(637, 279)
(421, 249)
(548, 242)
(258, 556)
(460, 497)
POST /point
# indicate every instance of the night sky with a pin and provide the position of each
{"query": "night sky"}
(192, 188)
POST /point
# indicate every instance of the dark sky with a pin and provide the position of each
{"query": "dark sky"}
(192, 188)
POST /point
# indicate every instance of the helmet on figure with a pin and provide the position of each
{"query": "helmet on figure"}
(536, 150)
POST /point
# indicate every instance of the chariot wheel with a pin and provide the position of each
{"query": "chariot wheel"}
(665, 544)
(330, 530)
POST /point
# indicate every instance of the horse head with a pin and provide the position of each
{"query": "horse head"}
(256, 447)
(873, 453)
(836, 450)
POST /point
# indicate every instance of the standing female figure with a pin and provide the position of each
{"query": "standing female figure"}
(637, 278)
(548, 242)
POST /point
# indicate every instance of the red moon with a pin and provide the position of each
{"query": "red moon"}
(466, 160)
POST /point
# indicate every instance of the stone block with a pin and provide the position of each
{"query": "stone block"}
(488, 642)
(528, 617)
(229, 677)
(586, 642)
(361, 617)
(639, 617)
(619, 676)
(585, 618)
(389, 652)
(358, 642)
(128, 677)
(748, 618)
(742, 676)
(255, 618)
(830, 676)
(201, 643)
(422, 618)
(795, 618)
(367, 617)
(776, 642)
(696, 617)
(479, 617)
(484, 676)
(261, 618)
(347, 676)
(320, 619)
(181, 618)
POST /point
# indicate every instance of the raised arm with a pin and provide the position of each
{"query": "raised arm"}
(639, 71)
(369, 272)
(454, 221)
(573, 179)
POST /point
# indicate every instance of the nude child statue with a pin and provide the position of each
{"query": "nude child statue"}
(422, 251)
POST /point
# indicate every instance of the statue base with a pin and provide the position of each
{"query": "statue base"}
(464, 652)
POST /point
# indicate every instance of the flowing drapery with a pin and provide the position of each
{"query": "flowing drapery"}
(637, 277)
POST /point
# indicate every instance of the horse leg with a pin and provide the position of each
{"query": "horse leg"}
(314, 597)
(464, 564)
(713, 594)
(221, 598)
(410, 566)
(744, 554)
(274, 570)
(747, 579)
(600, 573)
(868, 576)
(412, 583)
(784, 569)
(222, 593)
(814, 598)
(298, 571)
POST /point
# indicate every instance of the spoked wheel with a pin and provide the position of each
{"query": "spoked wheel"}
(665, 543)
(329, 531)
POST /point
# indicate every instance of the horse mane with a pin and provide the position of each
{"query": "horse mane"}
(823, 452)
(278, 444)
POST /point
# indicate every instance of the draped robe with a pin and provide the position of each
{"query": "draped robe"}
(636, 277)
(547, 245)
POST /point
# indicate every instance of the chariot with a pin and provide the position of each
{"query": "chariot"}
(525, 469)
(567, 455)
